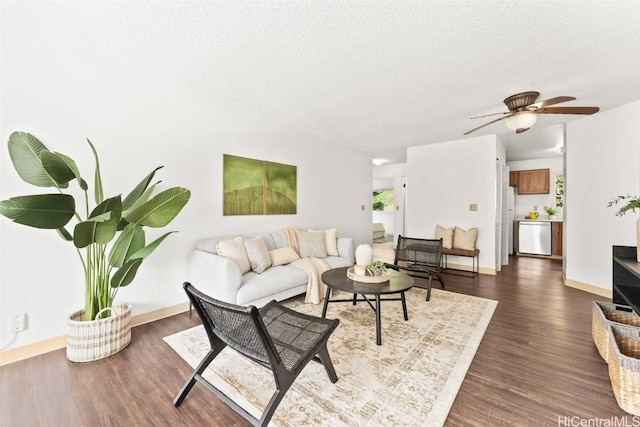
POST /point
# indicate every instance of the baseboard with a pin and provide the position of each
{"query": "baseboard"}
(463, 267)
(607, 293)
(41, 347)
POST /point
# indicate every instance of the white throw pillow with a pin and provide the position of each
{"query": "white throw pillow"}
(283, 256)
(446, 234)
(331, 240)
(312, 244)
(235, 250)
(258, 254)
(465, 239)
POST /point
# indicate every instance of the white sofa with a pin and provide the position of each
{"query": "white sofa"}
(221, 277)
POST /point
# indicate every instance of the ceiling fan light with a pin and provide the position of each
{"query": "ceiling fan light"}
(523, 120)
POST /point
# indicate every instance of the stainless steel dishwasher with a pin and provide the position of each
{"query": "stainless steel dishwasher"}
(535, 237)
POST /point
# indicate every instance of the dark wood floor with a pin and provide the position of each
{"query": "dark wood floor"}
(536, 366)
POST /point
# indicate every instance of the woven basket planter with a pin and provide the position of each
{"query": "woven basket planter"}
(604, 313)
(624, 366)
(89, 340)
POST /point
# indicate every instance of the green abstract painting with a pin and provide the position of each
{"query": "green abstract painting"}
(258, 187)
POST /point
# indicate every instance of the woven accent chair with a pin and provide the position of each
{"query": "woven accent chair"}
(419, 258)
(274, 336)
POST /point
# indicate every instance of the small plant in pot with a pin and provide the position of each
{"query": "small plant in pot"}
(376, 267)
(552, 213)
(108, 238)
(632, 203)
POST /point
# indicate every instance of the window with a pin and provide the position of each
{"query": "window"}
(559, 191)
(383, 200)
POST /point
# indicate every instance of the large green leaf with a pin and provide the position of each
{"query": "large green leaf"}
(126, 273)
(99, 229)
(162, 209)
(139, 190)
(102, 224)
(48, 211)
(68, 167)
(25, 150)
(147, 250)
(98, 192)
(128, 242)
(57, 167)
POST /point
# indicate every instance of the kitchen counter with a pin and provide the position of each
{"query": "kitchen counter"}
(540, 218)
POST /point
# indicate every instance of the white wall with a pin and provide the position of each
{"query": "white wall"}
(136, 126)
(524, 203)
(603, 161)
(443, 180)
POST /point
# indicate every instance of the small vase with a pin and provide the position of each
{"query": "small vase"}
(552, 217)
(364, 254)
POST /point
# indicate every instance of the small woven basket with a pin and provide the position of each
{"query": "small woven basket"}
(624, 366)
(605, 313)
(89, 340)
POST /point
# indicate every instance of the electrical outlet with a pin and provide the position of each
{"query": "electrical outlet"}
(19, 322)
(473, 207)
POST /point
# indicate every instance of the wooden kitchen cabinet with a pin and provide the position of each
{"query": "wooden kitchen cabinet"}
(513, 178)
(534, 181)
(556, 238)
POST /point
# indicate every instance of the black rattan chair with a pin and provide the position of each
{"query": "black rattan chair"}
(420, 258)
(274, 336)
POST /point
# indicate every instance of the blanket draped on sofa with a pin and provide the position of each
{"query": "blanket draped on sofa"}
(314, 267)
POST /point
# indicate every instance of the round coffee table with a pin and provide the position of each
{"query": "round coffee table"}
(398, 283)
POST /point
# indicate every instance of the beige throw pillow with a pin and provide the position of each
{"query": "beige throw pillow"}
(283, 256)
(331, 240)
(235, 250)
(465, 239)
(258, 254)
(446, 234)
(312, 244)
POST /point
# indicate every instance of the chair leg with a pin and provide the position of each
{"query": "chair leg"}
(429, 288)
(323, 355)
(186, 388)
(441, 280)
(271, 407)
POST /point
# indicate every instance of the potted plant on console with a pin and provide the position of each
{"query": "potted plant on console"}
(109, 238)
(632, 203)
(377, 268)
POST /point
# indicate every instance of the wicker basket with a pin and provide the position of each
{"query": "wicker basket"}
(624, 366)
(603, 314)
(89, 340)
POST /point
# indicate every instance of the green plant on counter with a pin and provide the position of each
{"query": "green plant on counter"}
(633, 203)
(108, 264)
(551, 211)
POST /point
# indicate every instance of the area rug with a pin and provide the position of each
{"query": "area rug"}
(411, 379)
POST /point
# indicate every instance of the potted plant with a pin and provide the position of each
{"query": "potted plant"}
(376, 267)
(551, 212)
(109, 238)
(632, 203)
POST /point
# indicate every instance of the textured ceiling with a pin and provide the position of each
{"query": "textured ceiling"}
(379, 76)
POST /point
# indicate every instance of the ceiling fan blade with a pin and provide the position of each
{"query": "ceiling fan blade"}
(552, 101)
(489, 115)
(567, 110)
(487, 124)
(522, 130)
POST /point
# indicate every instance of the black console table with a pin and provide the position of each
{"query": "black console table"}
(626, 277)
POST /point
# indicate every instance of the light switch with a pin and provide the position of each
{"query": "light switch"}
(362, 207)
(473, 207)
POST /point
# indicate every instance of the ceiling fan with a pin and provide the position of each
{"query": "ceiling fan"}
(523, 109)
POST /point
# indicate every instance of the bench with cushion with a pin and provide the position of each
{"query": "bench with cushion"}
(458, 242)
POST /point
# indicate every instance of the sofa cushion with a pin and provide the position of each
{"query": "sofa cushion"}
(336, 262)
(258, 254)
(274, 280)
(446, 234)
(331, 240)
(235, 250)
(465, 239)
(312, 244)
(283, 256)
